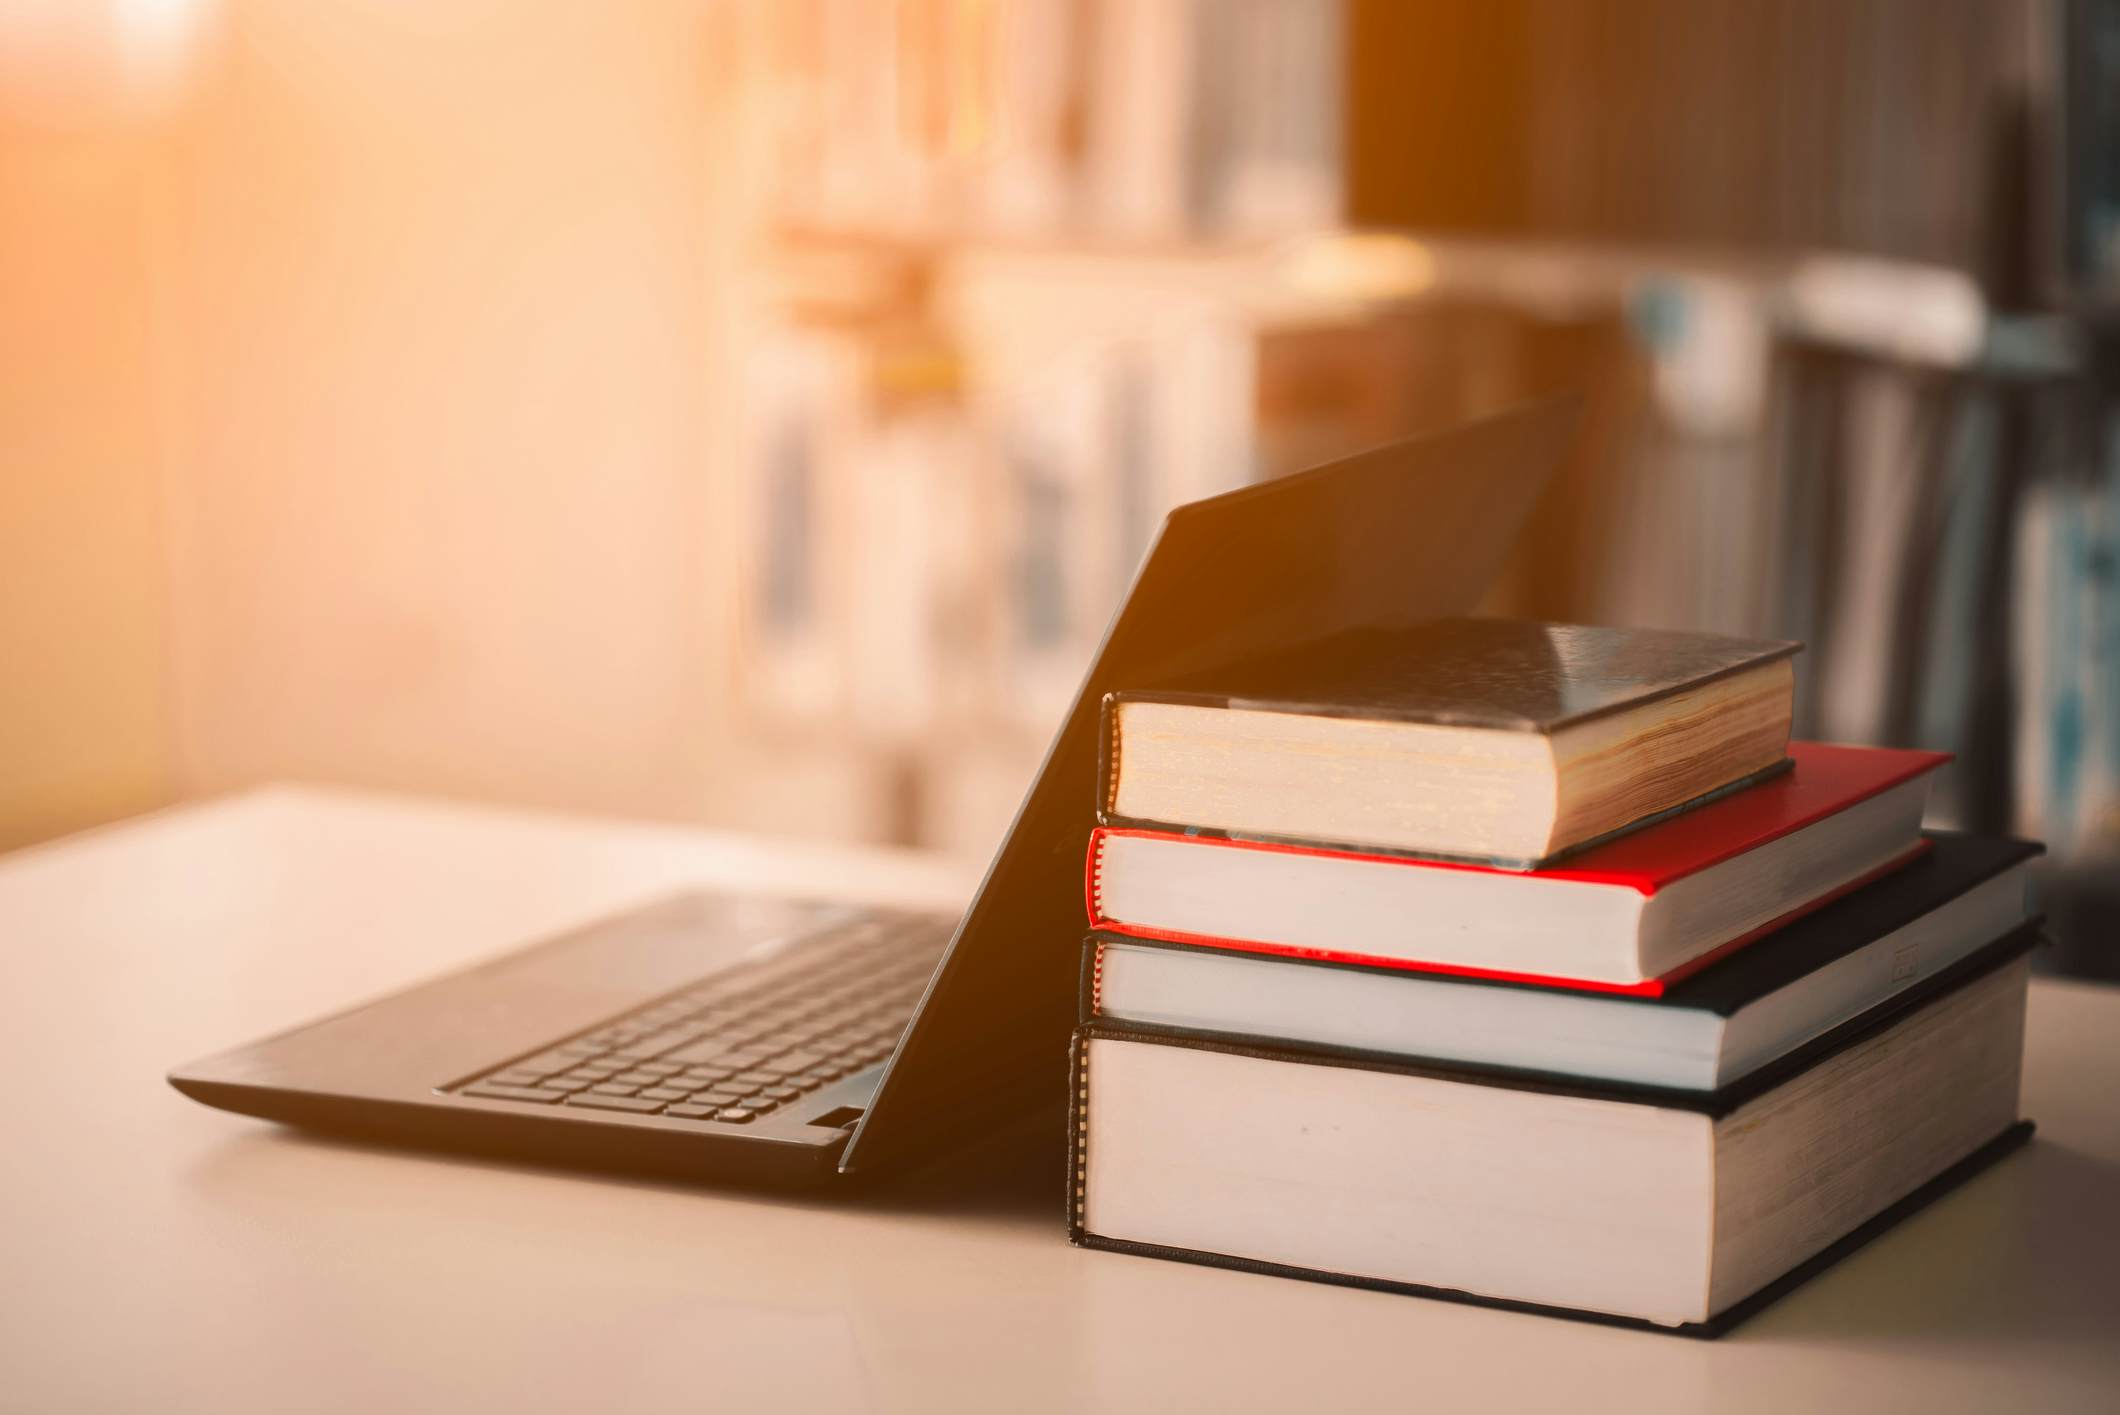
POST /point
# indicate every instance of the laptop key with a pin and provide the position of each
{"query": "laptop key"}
(545, 1063)
(635, 1104)
(519, 1076)
(649, 1048)
(690, 1111)
(711, 1049)
(487, 1090)
(734, 1116)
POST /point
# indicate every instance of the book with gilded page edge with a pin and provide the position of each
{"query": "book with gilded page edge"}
(1500, 741)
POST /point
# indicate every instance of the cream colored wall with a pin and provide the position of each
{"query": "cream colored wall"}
(433, 349)
(370, 429)
(82, 714)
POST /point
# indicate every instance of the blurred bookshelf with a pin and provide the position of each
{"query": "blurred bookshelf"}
(1020, 274)
(1011, 264)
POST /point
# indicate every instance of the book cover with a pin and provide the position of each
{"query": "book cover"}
(1479, 675)
(1825, 779)
(1953, 865)
(1507, 674)
(1983, 960)
(1713, 1105)
(2004, 1144)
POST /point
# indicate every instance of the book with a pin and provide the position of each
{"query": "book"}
(1885, 946)
(1494, 740)
(1633, 915)
(1668, 1211)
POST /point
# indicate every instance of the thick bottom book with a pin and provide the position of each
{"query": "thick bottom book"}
(1681, 1213)
(2005, 1143)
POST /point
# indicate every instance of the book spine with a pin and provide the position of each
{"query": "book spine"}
(1107, 755)
(1078, 1135)
(1092, 886)
(1089, 993)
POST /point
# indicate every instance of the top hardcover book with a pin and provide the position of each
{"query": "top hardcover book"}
(1499, 741)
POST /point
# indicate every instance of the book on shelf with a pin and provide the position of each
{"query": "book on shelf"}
(1678, 1211)
(1500, 741)
(1884, 947)
(1634, 915)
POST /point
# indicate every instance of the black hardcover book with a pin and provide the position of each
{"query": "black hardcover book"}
(1954, 866)
(1878, 951)
(1511, 675)
(1483, 739)
(1682, 1213)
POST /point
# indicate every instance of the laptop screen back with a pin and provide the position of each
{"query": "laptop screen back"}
(1411, 531)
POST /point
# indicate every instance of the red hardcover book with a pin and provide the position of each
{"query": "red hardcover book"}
(1631, 916)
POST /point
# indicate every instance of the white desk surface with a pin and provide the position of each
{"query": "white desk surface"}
(158, 1255)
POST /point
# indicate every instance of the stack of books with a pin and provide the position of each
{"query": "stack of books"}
(1534, 966)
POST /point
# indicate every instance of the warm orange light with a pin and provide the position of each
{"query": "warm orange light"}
(68, 60)
(1360, 266)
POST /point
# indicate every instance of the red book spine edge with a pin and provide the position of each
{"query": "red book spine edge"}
(1419, 862)
(1650, 987)
(1917, 764)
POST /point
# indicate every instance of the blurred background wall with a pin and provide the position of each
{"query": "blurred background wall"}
(748, 412)
(83, 681)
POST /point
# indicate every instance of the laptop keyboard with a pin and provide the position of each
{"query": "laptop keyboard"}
(747, 1041)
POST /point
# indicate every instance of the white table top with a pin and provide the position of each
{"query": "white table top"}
(155, 1254)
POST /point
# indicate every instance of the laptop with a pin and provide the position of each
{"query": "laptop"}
(773, 1041)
